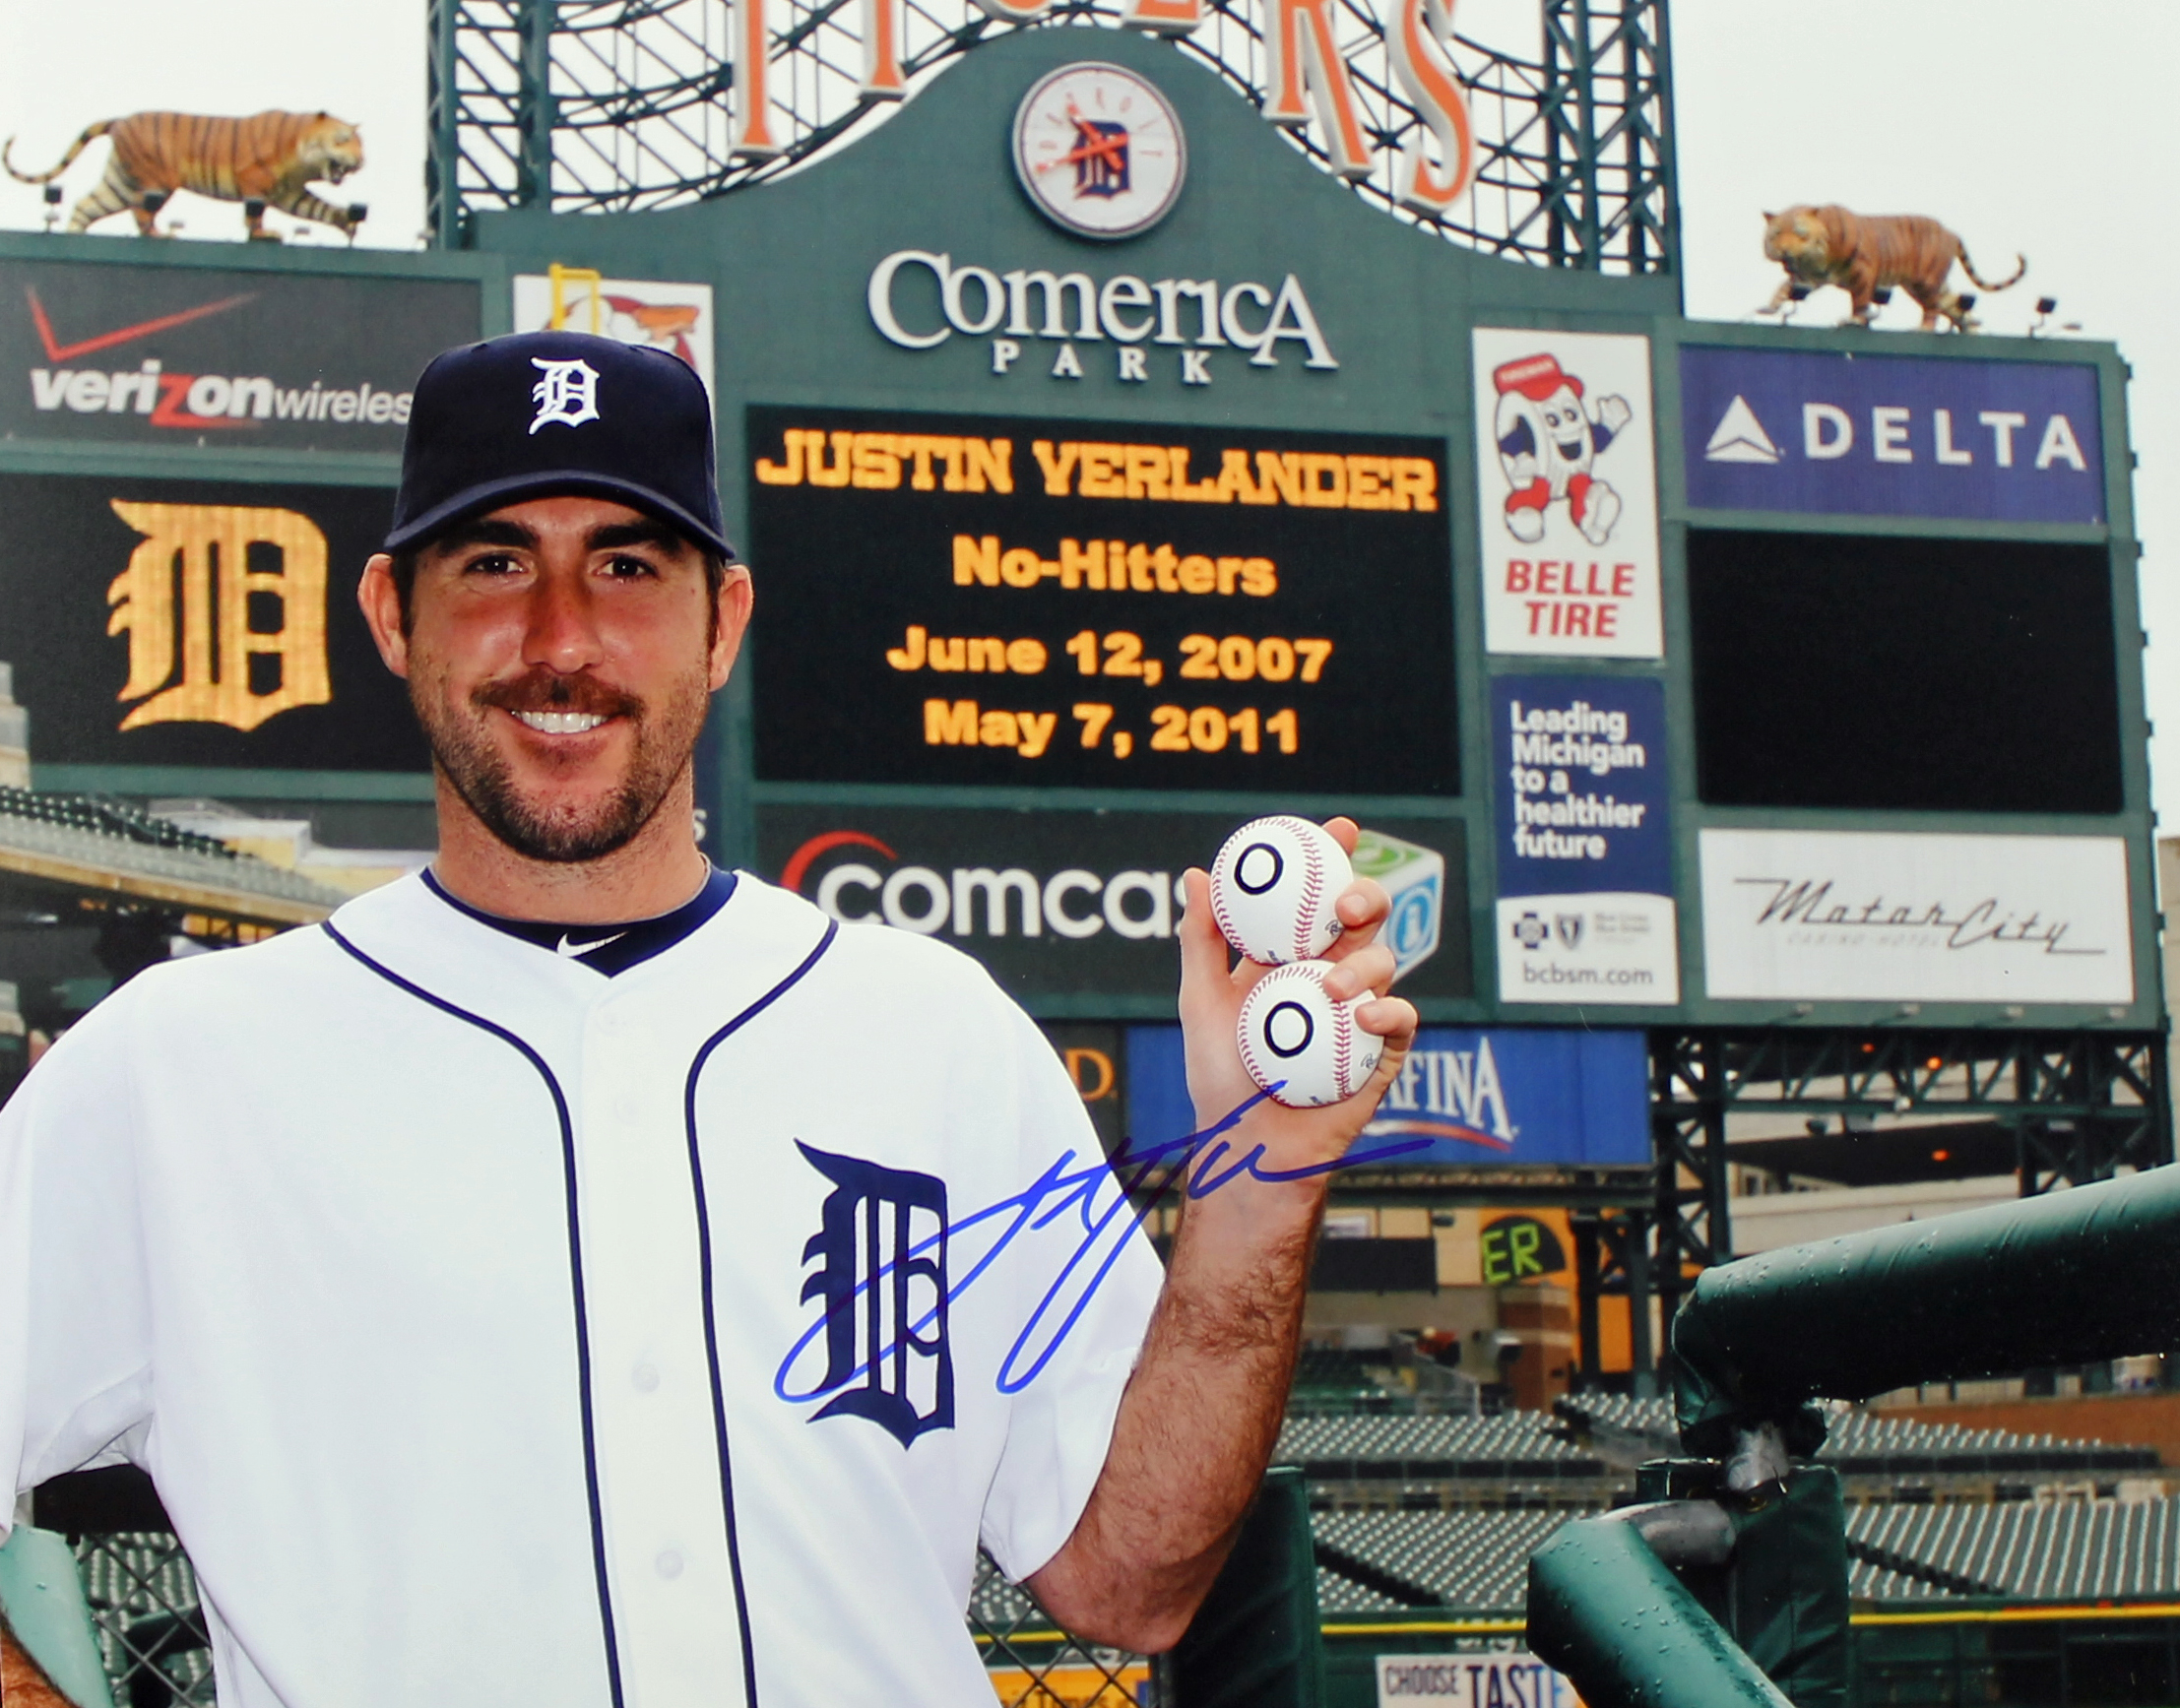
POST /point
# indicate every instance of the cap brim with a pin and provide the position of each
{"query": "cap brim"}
(553, 483)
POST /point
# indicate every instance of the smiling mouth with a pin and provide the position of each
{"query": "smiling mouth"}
(561, 722)
(1571, 449)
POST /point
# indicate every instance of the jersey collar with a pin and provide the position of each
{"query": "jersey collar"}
(609, 949)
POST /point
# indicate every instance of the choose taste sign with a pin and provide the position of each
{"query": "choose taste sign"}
(977, 600)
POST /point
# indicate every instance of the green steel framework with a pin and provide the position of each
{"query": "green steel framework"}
(2082, 1106)
(616, 105)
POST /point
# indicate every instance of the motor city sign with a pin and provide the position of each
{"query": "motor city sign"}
(1830, 433)
(1874, 916)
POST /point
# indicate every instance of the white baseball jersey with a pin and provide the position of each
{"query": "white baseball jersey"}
(496, 1330)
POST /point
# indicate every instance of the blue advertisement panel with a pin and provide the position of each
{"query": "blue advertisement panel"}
(1830, 433)
(1581, 819)
(1581, 790)
(1480, 1098)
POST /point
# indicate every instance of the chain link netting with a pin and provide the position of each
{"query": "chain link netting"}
(1033, 1664)
(158, 1653)
(151, 1633)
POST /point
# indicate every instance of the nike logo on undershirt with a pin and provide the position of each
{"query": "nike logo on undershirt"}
(570, 947)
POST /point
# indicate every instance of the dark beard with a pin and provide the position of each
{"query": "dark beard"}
(482, 775)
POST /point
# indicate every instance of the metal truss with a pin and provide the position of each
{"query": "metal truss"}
(2082, 1106)
(1612, 1258)
(613, 105)
(1608, 105)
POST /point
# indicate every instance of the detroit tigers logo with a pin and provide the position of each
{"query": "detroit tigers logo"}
(568, 393)
(881, 1252)
(1100, 156)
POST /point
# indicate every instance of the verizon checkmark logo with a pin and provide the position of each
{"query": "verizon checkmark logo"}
(57, 352)
(167, 399)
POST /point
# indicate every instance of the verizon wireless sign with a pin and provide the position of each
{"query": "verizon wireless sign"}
(219, 357)
(1053, 903)
(1870, 916)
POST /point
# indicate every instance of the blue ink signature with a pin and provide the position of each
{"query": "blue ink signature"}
(1106, 1226)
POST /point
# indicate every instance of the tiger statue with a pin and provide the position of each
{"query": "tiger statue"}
(269, 158)
(1865, 253)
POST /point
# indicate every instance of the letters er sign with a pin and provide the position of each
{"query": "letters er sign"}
(1822, 433)
(186, 602)
(1514, 1249)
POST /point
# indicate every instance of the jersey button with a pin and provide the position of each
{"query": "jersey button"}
(669, 1564)
(646, 1378)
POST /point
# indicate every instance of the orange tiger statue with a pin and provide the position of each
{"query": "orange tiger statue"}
(1865, 253)
(270, 157)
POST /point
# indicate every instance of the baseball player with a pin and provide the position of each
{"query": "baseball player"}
(576, 1274)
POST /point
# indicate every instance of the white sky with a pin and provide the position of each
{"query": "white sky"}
(66, 66)
(2050, 133)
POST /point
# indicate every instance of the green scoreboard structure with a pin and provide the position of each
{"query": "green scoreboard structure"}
(1111, 474)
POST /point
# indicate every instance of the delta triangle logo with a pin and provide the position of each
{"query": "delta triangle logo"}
(1740, 437)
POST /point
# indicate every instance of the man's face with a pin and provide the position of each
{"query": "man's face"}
(560, 654)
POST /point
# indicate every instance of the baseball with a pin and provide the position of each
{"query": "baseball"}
(1291, 1031)
(1273, 886)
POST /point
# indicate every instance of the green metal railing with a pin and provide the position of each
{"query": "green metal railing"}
(1636, 1616)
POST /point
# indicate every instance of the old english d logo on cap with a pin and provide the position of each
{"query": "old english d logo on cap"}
(546, 414)
(568, 393)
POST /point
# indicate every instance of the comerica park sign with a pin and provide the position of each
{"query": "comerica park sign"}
(1199, 314)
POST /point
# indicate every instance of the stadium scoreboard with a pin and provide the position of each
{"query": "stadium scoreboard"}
(1695, 674)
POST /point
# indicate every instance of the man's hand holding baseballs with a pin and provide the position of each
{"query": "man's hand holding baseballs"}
(1213, 989)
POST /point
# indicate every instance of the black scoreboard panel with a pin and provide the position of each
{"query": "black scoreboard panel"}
(979, 601)
(199, 623)
(1875, 673)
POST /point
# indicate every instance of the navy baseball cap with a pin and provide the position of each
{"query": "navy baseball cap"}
(545, 414)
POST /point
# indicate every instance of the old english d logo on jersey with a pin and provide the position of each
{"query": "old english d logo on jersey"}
(881, 1256)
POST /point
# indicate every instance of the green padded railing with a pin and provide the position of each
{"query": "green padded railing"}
(41, 1599)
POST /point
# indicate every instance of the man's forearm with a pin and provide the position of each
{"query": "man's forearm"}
(1202, 1413)
(1198, 1422)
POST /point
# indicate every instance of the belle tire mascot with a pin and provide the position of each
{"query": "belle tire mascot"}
(1548, 444)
